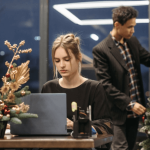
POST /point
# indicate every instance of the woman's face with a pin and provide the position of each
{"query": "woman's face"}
(66, 66)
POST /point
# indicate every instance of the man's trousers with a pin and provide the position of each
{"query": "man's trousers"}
(125, 135)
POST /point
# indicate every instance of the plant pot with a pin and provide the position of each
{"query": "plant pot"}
(3, 125)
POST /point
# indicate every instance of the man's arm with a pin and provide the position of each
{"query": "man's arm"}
(144, 54)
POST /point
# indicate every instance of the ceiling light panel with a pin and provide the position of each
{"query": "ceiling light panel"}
(63, 9)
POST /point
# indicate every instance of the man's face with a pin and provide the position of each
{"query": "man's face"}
(126, 30)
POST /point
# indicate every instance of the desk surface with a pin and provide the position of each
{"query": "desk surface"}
(11, 141)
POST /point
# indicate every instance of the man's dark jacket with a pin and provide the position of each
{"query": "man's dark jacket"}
(112, 72)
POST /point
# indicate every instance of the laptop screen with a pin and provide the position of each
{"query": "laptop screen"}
(52, 113)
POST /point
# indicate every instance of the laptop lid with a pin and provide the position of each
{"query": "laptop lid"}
(52, 113)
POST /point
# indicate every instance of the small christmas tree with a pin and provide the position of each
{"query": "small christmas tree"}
(11, 106)
(146, 129)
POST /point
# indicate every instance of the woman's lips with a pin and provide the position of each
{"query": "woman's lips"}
(63, 71)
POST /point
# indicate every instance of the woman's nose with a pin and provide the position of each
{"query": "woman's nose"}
(62, 64)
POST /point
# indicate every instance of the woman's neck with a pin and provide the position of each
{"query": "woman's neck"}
(72, 81)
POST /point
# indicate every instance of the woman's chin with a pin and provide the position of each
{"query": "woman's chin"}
(64, 75)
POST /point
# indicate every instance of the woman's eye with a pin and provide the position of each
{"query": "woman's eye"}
(67, 59)
(56, 61)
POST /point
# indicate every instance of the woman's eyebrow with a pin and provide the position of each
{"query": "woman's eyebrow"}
(63, 57)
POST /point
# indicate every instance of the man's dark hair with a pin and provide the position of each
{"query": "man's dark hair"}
(122, 14)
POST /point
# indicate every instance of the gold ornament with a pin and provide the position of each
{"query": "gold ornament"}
(14, 78)
(16, 108)
(16, 57)
(11, 97)
(4, 79)
(4, 89)
(1, 116)
(24, 108)
(7, 64)
(22, 75)
(15, 45)
(23, 92)
(14, 86)
(1, 105)
(12, 74)
(22, 43)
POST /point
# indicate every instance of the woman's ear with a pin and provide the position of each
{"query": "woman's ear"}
(80, 57)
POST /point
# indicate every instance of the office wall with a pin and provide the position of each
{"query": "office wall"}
(19, 20)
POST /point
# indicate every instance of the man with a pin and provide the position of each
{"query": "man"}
(117, 62)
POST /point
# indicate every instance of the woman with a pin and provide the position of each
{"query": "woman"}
(66, 57)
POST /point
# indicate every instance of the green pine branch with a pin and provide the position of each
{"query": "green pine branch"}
(147, 109)
(144, 142)
(16, 120)
(27, 115)
(5, 118)
(13, 112)
(147, 122)
(18, 100)
(147, 114)
(18, 94)
(1, 125)
(147, 127)
(14, 65)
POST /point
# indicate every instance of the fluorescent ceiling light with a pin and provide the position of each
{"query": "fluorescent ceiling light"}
(94, 37)
(63, 9)
(2, 53)
(37, 38)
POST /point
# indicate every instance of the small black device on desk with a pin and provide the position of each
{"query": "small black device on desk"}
(82, 123)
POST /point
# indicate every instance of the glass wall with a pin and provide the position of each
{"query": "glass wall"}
(85, 18)
(19, 20)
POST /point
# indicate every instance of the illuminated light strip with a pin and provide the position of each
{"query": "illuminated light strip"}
(87, 58)
(62, 8)
(107, 21)
(68, 14)
(102, 4)
(142, 20)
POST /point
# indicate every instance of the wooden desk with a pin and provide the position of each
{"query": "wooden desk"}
(11, 141)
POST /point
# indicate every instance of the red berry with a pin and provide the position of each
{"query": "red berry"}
(7, 75)
(11, 66)
(143, 118)
(6, 106)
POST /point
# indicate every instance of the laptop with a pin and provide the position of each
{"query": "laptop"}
(52, 113)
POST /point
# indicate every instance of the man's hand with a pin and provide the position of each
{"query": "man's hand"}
(138, 109)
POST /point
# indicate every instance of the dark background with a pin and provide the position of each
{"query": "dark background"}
(19, 20)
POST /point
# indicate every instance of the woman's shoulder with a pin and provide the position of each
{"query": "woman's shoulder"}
(50, 86)
(93, 83)
(51, 82)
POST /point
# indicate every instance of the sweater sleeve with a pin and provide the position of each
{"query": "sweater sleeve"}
(103, 126)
